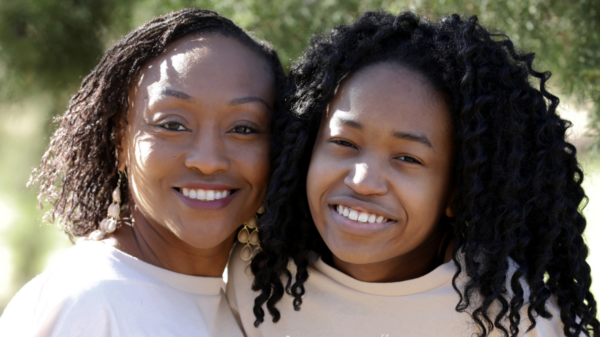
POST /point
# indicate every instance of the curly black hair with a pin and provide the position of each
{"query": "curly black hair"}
(78, 171)
(519, 191)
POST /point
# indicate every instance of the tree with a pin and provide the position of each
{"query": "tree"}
(564, 34)
(48, 45)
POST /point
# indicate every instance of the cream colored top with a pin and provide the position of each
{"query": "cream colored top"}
(337, 305)
(96, 290)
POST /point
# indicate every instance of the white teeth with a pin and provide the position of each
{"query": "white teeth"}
(210, 195)
(363, 217)
(200, 194)
(359, 216)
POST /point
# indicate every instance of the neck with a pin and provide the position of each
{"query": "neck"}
(416, 263)
(158, 246)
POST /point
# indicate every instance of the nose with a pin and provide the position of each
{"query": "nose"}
(208, 154)
(366, 179)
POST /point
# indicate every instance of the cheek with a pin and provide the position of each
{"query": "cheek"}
(422, 197)
(321, 177)
(151, 157)
(149, 163)
(252, 161)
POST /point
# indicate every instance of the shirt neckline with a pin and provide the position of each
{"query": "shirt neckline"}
(436, 278)
(199, 285)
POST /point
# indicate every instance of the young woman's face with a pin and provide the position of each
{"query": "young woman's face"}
(196, 146)
(383, 159)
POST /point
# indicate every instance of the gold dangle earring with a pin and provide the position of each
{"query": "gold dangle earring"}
(249, 237)
(109, 224)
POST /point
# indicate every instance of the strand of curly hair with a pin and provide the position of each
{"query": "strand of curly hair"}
(519, 190)
(78, 171)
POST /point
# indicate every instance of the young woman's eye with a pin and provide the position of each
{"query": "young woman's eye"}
(173, 126)
(243, 129)
(343, 143)
(408, 159)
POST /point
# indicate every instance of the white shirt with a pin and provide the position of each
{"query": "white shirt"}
(97, 290)
(336, 304)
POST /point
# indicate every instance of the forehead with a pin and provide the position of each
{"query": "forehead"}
(200, 65)
(389, 96)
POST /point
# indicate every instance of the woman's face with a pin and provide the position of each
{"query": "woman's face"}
(196, 146)
(382, 159)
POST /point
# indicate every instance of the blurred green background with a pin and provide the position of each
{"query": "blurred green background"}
(48, 46)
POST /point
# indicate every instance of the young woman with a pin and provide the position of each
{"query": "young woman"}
(170, 136)
(441, 197)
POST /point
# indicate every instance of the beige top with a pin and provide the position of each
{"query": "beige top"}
(336, 304)
(96, 290)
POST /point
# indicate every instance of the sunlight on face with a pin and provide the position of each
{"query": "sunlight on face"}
(380, 175)
(360, 174)
(200, 121)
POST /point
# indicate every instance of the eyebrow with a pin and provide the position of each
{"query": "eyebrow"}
(237, 101)
(413, 137)
(175, 93)
(249, 99)
(349, 122)
(397, 134)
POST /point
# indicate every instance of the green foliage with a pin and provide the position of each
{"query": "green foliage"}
(48, 45)
(287, 24)
(27, 241)
(565, 35)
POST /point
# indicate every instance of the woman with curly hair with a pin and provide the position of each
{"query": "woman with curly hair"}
(441, 197)
(170, 135)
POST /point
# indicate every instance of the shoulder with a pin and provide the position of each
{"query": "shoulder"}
(86, 270)
(72, 297)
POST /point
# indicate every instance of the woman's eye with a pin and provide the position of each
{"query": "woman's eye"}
(343, 142)
(173, 126)
(243, 129)
(408, 159)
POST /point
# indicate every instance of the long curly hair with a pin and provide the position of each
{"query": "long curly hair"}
(78, 171)
(519, 193)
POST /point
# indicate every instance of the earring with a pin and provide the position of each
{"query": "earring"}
(249, 236)
(109, 224)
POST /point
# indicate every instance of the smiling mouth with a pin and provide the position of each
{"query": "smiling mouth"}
(358, 216)
(205, 195)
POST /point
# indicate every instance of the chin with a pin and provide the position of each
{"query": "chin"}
(350, 252)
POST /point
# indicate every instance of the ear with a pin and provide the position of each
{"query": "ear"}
(450, 207)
